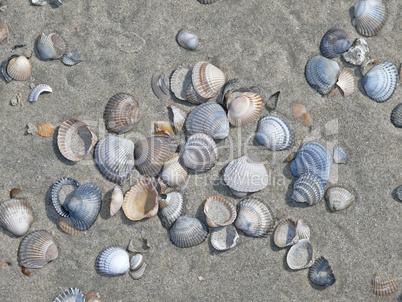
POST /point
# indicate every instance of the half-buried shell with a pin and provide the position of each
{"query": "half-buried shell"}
(285, 233)
(19, 68)
(274, 133)
(219, 212)
(339, 198)
(396, 116)
(308, 189)
(339, 155)
(207, 79)
(200, 153)
(380, 82)
(51, 47)
(70, 295)
(321, 273)
(112, 261)
(300, 255)
(224, 238)
(369, 17)
(61, 193)
(187, 232)
(116, 201)
(16, 216)
(170, 208)
(321, 74)
(244, 109)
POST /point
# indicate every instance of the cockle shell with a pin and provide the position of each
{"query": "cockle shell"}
(67, 226)
(339, 198)
(3, 33)
(244, 109)
(116, 201)
(19, 68)
(219, 212)
(224, 238)
(308, 189)
(380, 82)
(300, 112)
(300, 255)
(38, 89)
(334, 43)
(285, 233)
(321, 273)
(160, 86)
(193, 97)
(137, 266)
(51, 47)
(70, 295)
(207, 79)
(321, 74)
(16, 216)
(346, 82)
(339, 155)
(121, 113)
(200, 153)
(179, 117)
(180, 80)
(396, 116)
(369, 17)
(209, 118)
(187, 40)
(45, 130)
(61, 193)
(170, 208)
(75, 140)
(274, 133)
(174, 173)
(187, 232)
(141, 201)
(112, 261)
(37, 249)
(72, 58)
(383, 287)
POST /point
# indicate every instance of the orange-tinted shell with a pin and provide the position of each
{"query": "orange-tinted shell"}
(67, 226)
(383, 287)
(300, 112)
(244, 109)
(45, 130)
(3, 33)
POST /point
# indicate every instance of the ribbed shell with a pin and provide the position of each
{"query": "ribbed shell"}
(150, 154)
(50, 47)
(300, 255)
(121, 113)
(179, 117)
(37, 249)
(302, 230)
(380, 82)
(339, 155)
(112, 261)
(339, 198)
(346, 82)
(19, 68)
(369, 17)
(209, 118)
(383, 287)
(170, 208)
(60, 187)
(274, 133)
(174, 173)
(207, 79)
(308, 189)
(187, 40)
(285, 233)
(38, 89)
(396, 116)
(219, 212)
(224, 238)
(70, 295)
(321, 74)
(115, 158)
(207, 1)
(160, 86)
(45, 130)
(180, 80)
(67, 226)
(163, 128)
(193, 97)
(16, 216)
(334, 43)
(72, 58)
(321, 273)
(244, 109)
(3, 33)
(187, 232)
(200, 153)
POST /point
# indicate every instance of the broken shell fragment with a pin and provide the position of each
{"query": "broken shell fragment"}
(321, 273)
(180, 81)
(396, 116)
(200, 153)
(285, 233)
(5, 75)
(41, 88)
(61, 193)
(179, 117)
(92, 296)
(67, 226)
(72, 58)
(244, 109)
(3, 33)
(46, 130)
(219, 212)
(300, 112)
(116, 201)
(170, 208)
(163, 128)
(160, 86)
(207, 79)
(300, 255)
(16, 216)
(369, 17)
(339, 155)
(51, 47)
(224, 238)
(112, 261)
(382, 287)
(187, 232)
(70, 295)
(339, 198)
(19, 68)
(187, 40)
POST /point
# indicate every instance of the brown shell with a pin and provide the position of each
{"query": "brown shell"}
(19, 68)
(383, 287)
(3, 33)
(45, 130)
(214, 208)
(163, 128)
(67, 226)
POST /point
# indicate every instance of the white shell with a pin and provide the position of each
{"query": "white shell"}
(38, 89)
(174, 173)
(112, 261)
(346, 82)
(179, 117)
(244, 109)
(302, 230)
(16, 216)
(187, 40)
(224, 238)
(339, 198)
(116, 201)
(300, 255)
(274, 133)
(285, 233)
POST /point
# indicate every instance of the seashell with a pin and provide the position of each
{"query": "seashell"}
(187, 40)
(274, 133)
(219, 212)
(121, 113)
(396, 116)
(92, 296)
(70, 295)
(300, 112)
(51, 47)
(34, 95)
(137, 266)
(4, 65)
(308, 189)
(321, 74)
(339, 198)
(37, 249)
(112, 261)
(300, 255)
(224, 238)
(334, 43)
(116, 201)
(358, 53)
(84, 206)
(136, 275)
(174, 173)
(150, 154)
(160, 86)
(141, 201)
(46, 130)
(14, 193)
(179, 117)
(180, 80)
(114, 158)
(193, 97)
(246, 174)
(285, 233)
(16, 216)
(61, 193)
(383, 287)
(207, 79)
(56, 3)
(200, 153)
(209, 118)
(339, 155)
(313, 158)
(187, 232)
(19, 68)
(227, 90)
(39, 2)
(72, 58)
(321, 273)
(254, 218)
(302, 231)
(346, 82)
(67, 226)
(170, 208)
(380, 82)
(163, 128)
(273, 100)
(369, 17)
(207, 1)
(3, 33)
(244, 109)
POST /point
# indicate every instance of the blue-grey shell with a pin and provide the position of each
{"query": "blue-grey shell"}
(160, 86)
(188, 232)
(334, 43)
(56, 189)
(321, 273)
(187, 40)
(56, 3)
(396, 116)
(308, 189)
(72, 58)
(209, 118)
(4, 65)
(380, 82)
(369, 17)
(339, 155)
(84, 206)
(398, 193)
(200, 153)
(312, 158)
(112, 261)
(321, 74)
(274, 133)
(70, 295)
(37, 90)
(51, 47)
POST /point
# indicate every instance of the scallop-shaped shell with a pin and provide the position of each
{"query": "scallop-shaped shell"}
(339, 198)
(160, 86)
(224, 238)
(3, 33)
(50, 47)
(346, 82)
(141, 201)
(187, 40)
(382, 287)
(246, 174)
(16, 216)
(174, 173)
(67, 226)
(45, 130)
(112, 261)
(180, 80)
(321, 74)
(19, 68)
(179, 117)
(187, 232)
(61, 193)
(207, 79)
(72, 58)
(285, 233)
(193, 97)
(308, 189)
(334, 43)
(116, 201)
(321, 273)
(396, 116)
(70, 295)
(4, 66)
(254, 218)
(209, 118)
(300, 255)
(75, 139)
(302, 231)
(219, 212)
(274, 133)
(121, 113)
(150, 154)
(170, 208)
(244, 109)
(37, 249)
(38, 89)
(380, 82)
(369, 17)
(339, 155)
(207, 1)
(200, 153)
(114, 157)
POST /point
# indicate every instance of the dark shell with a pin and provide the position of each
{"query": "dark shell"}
(334, 43)
(321, 74)
(70, 295)
(321, 273)
(207, 1)
(61, 193)
(72, 58)
(308, 189)
(6, 77)
(396, 116)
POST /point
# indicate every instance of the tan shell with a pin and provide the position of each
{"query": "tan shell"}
(92, 296)
(45, 130)
(219, 212)
(67, 226)
(244, 109)
(3, 33)
(116, 202)
(300, 112)
(285, 233)
(300, 255)
(173, 174)
(346, 82)
(207, 79)
(141, 201)
(19, 68)
(383, 287)
(179, 117)
(163, 128)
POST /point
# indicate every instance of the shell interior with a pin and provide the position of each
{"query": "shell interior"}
(300, 255)
(219, 212)
(61, 193)
(224, 238)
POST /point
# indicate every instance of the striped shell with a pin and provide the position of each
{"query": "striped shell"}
(209, 118)
(4, 66)
(67, 226)
(187, 232)
(321, 273)
(19, 68)
(121, 113)
(285, 233)
(383, 287)
(321, 74)
(137, 266)
(174, 173)
(187, 40)
(207, 79)
(224, 238)
(219, 212)
(200, 153)
(207, 1)
(193, 97)
(300, 255)
(114, 158)
(116, 201)
(72, 58)
(75, 140)
(334, 43)
(51, 47)
(170, 208)
(308, 189)
(339, 155)
(346, 82)
(302, 231)
(112, 261)
(70, 295)
(62, 191)
(37, 249)
(274, 133)
(38, 89)
(396, 116)
(45, 130)
(369, 17)
(339, 198)
(380, 82)
(3, 33)
(180, 80)
(16, 216)
(160, 86)
(244, 109)
(179, 117)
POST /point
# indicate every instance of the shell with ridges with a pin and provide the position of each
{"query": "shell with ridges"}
(285, 233)
(137, 266)
(174, 173)
(170, 208)
(70, 295)
(160, 86)
(207, 79)
(179, 117)
(219, 212)
(180, 80)
(112, 261)
(339, 155)
(16, 216)
(72, 58)
(38, 89)
(334, 43)
(141, 201)
(302, 231)
(346, 82)
(339, 198)
(187, 40)
(67, 226)
(308, 189)
(19, 68)
(187, 232)
(3, 33)
(383, 287)
(300, 255)
(274, 133)
(244, 109)
(380, 82)
(224, 238)
(200, 153)
(369, 17)
(207, 1)
(193, 97)
(116, 201)
(50, 47)
(321, 74)
(62, 191)
(396, 116)
(321, 273)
